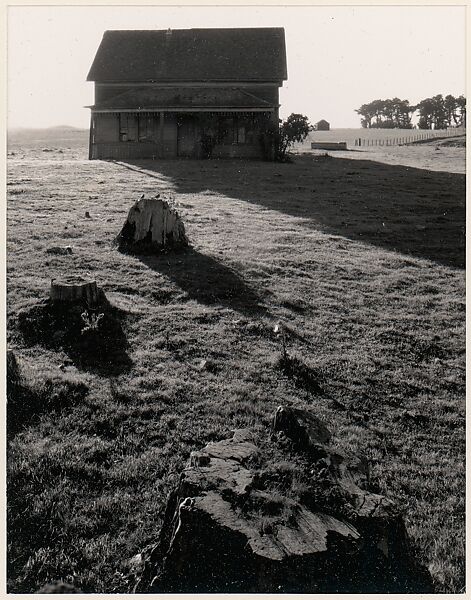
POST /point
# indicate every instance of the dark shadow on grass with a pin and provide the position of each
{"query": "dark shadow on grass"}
(205, 279)
(27, 403)
(412, 211)
(102, 351)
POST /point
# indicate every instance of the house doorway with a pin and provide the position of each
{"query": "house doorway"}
(188, 143)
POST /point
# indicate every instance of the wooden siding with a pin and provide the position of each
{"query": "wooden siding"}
(106, 128)
(124, 150)
(237, 151)
(106, 92)
(133, 150)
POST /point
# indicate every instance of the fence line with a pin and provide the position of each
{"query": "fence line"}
(398, 141)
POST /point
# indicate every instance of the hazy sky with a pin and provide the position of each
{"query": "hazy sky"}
(339, 57)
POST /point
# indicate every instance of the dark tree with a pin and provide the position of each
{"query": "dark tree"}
(436, 112)
(451, 109)
(365, 112)
(439, 112)
(294, 129)
(386, 114)
(425, 108)
(461, 103)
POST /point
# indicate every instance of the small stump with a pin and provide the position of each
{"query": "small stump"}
(68, 299)
(78, 318)
(75, 291)
(152, 225)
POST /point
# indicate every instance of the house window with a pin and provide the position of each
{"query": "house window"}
(145, 128)
(237, 130)
(127, 127)
(247, 130)
(252, 131)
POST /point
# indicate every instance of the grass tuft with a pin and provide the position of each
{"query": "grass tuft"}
(301, 374)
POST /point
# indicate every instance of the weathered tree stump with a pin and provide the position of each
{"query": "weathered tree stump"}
(75, 290)
(237, 524)
(152, 224)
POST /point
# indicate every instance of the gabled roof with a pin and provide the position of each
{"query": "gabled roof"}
(244, 54)
(154, 99)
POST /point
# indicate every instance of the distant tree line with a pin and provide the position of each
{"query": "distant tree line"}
(434, 113)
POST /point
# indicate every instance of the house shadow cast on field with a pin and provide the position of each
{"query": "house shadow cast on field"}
(205, 279)
(409, 210)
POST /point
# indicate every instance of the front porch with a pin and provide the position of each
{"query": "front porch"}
(163, 134)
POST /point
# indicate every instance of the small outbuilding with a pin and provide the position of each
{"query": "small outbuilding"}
(186, 93)
(322, 125)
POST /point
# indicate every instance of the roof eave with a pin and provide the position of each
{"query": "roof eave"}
(186, 109)
(276, 81)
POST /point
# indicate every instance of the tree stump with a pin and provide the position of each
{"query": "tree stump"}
(236, 524)
(152, 224)
(75, 290)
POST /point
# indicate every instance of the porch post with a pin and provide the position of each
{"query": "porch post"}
(161, 133)
(90, 138)
(275, 120)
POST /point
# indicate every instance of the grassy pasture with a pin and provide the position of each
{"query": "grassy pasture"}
(363, 262)
(350, 134)
(446, 153)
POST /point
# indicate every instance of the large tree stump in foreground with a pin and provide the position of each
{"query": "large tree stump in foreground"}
(152, 224)
(283, 513)
(75, 290)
